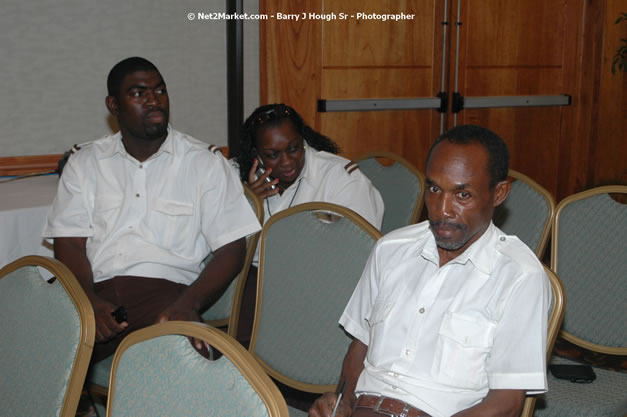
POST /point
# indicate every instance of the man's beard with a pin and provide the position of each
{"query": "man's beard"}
(156, 130)
(448, 244)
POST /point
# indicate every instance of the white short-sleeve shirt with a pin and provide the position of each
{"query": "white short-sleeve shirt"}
(440, 338)
(158, 218)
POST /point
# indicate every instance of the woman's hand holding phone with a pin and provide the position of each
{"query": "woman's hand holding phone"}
(260, 182)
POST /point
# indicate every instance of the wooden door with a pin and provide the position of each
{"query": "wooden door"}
(506, 48)
(357, 58)
(523, 48)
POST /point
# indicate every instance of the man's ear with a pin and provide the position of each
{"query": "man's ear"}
(112, 105)
(501, 191)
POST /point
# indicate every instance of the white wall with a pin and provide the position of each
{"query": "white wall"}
(56, 57)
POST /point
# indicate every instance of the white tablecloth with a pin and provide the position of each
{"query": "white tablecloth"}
(24, 206)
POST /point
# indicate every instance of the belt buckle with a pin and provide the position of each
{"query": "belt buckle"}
(378, 409)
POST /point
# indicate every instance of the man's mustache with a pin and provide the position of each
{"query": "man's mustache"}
(154, 110)
(447, 224)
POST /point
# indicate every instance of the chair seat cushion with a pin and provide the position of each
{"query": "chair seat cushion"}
(606, 396)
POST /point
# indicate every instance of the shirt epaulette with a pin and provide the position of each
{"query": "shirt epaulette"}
(215, 148)
(75, 148)
(351, 167)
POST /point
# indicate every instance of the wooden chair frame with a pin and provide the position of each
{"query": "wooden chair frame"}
(609, 189)
(251, 245)
(87, 319)
(228, 346)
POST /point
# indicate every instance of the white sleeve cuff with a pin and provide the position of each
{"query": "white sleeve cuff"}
(354, 329)
(533, 383)
(52, 232)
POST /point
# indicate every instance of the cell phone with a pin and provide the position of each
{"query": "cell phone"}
(261, 169)
(573, 373)
(120, 314)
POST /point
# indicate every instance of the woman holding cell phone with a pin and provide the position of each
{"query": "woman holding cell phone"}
(285, 162)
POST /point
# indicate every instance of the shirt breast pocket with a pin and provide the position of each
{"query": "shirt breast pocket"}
(106, 212)
(379, 340)
(463, 346)
(172, 222)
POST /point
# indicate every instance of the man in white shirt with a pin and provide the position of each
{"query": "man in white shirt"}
(450, 315)
(137, 212)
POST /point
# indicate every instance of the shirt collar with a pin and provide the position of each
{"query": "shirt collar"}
(481, 253)
(118, 147)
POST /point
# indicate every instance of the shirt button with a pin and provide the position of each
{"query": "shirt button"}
(422, 310)
(407, 352)
(502, 238)
(130, 227)
(141, 166)
(394, 388)
(137, 195)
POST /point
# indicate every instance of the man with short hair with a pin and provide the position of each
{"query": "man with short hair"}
(137, 212)
(450, 315)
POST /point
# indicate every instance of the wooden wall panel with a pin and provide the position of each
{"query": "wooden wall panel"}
(382, 59)
(577, 138)
(508, 47)
(358, 58)
(409, 133)
(406, 133)
(529, 53)
(290, 58)
(22, 165)
(513, 80)
(609, 154)
(378, 82)
(359, 43)
(532, 135)
(501, 31)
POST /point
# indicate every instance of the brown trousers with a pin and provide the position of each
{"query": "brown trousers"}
(143, 298)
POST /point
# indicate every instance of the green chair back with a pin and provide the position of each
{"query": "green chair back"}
(47, 338)
(401, 186)
(527, 213)
(156, 371)
(310, 263)
(589, 255)
(588, 252)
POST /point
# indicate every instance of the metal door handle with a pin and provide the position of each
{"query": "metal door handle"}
(382, 104)
(481, 102)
